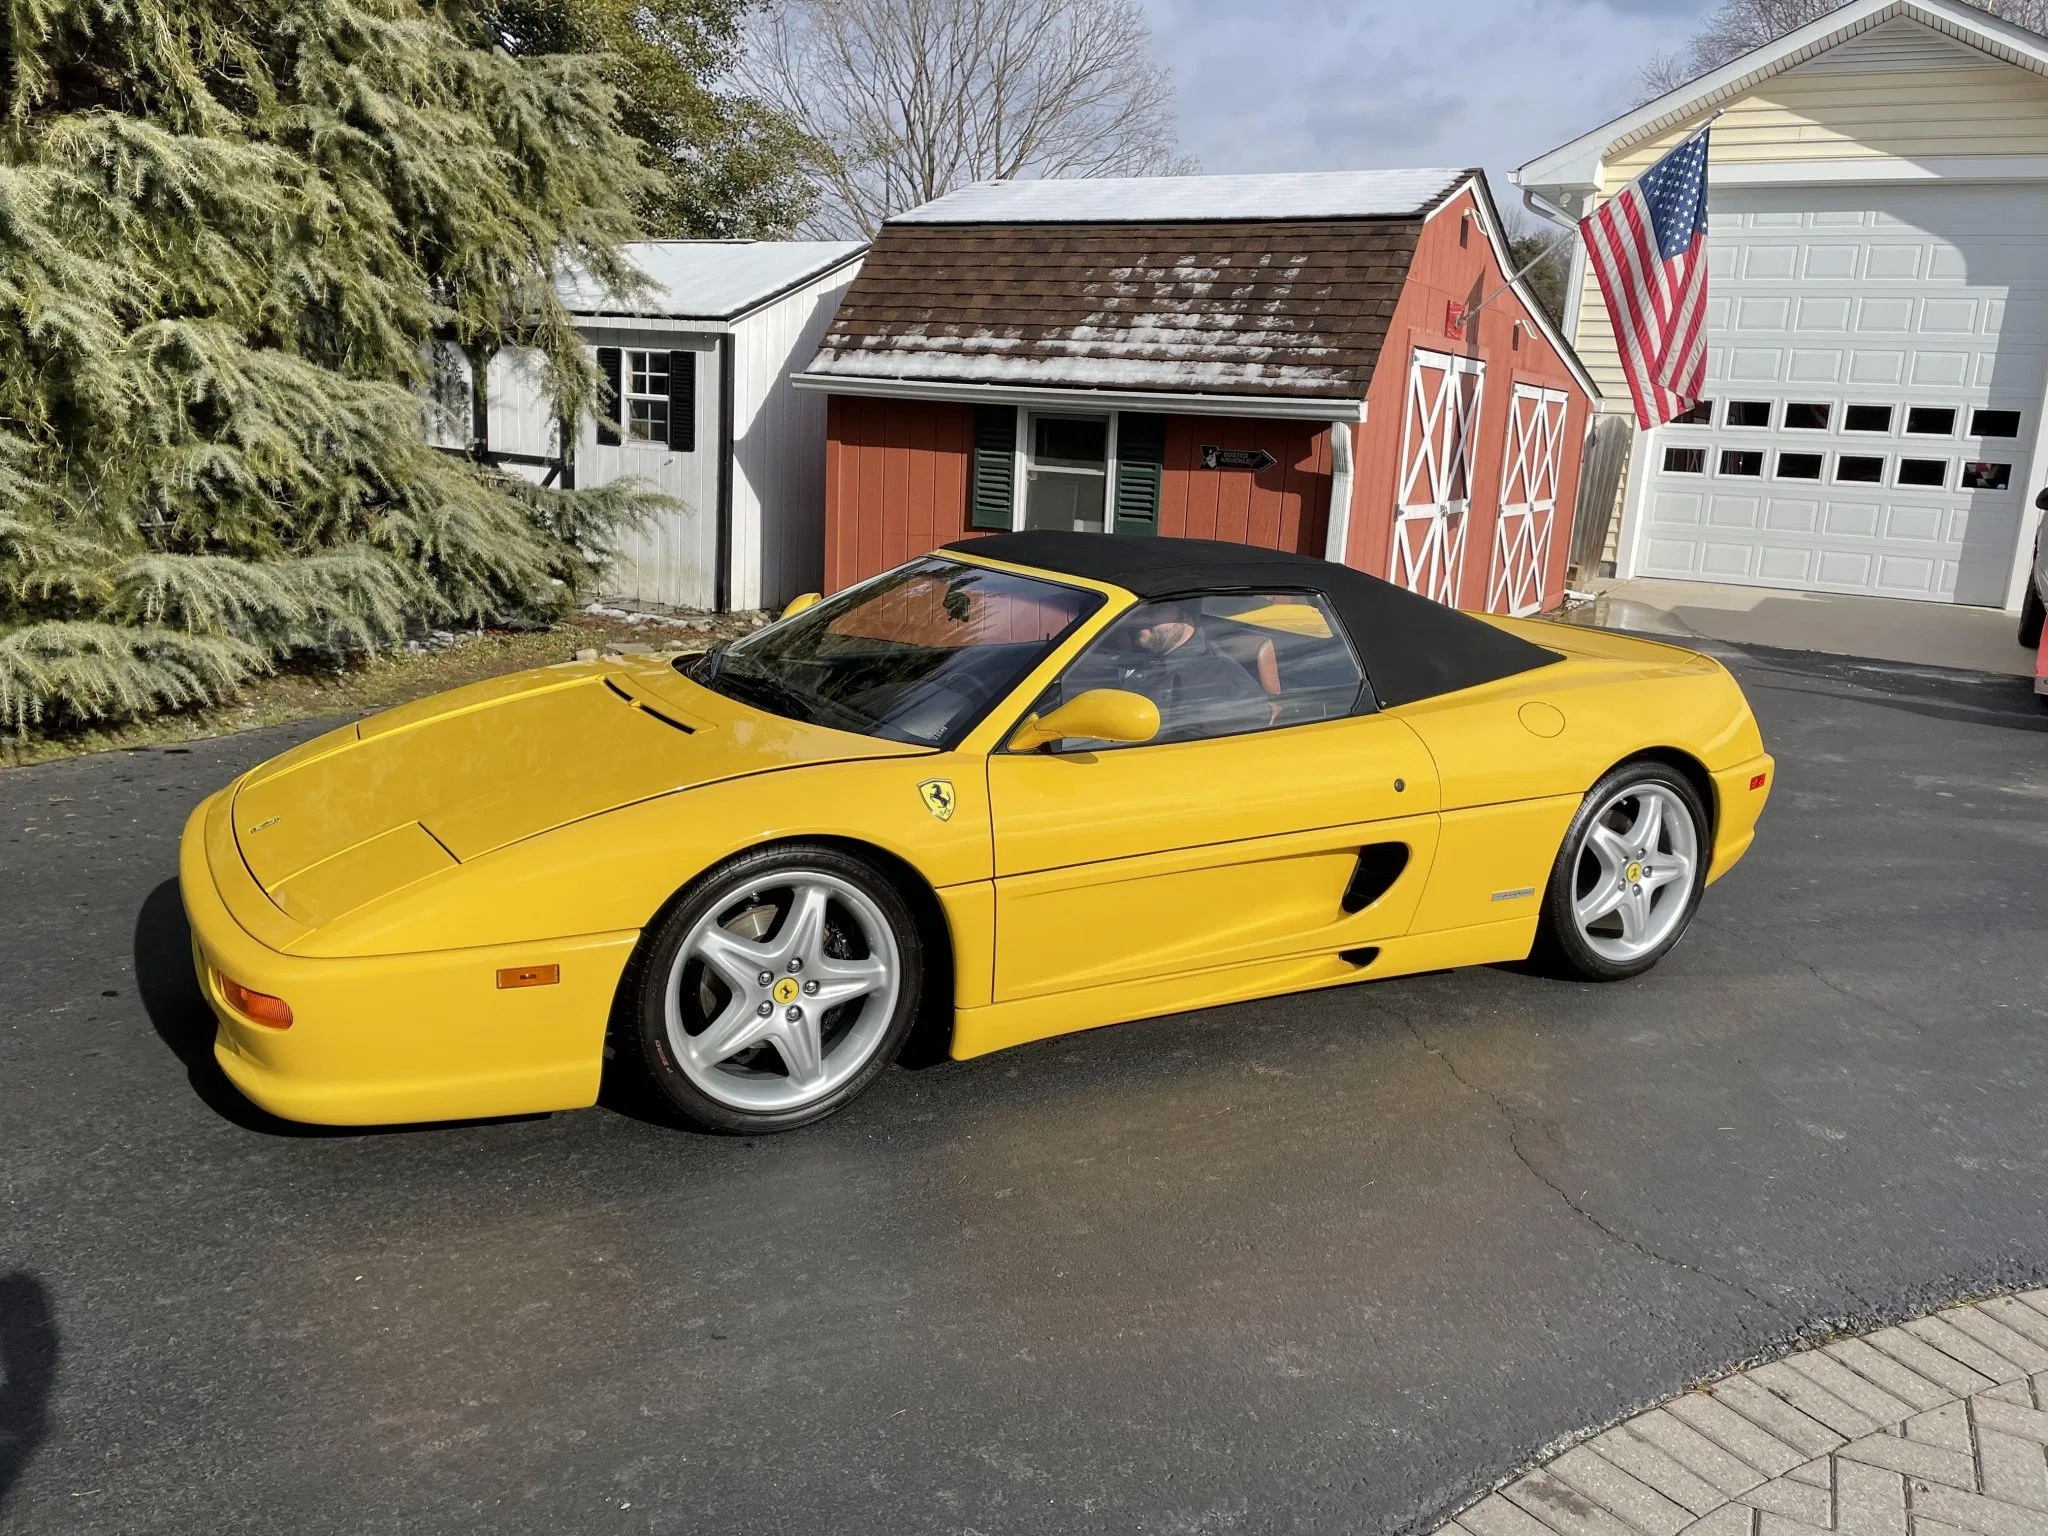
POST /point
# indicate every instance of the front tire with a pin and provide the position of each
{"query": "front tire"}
(1628, 876)
(777, 990)
(2033, 615)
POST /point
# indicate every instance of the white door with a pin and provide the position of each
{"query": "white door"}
(1875, 367)
(1436, 473)
(1532, 460)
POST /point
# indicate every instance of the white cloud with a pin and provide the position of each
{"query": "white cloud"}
(1270, 85)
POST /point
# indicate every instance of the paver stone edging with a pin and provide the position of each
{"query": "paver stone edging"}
(1938, 1427)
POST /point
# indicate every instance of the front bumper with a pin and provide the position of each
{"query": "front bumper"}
(1737, 806)
(392, 1039)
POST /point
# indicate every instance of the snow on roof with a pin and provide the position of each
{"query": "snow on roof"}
(707, 279)
(1137, 199)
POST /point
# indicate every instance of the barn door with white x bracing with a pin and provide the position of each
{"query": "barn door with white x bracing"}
(1533, 457)
(1436, 473)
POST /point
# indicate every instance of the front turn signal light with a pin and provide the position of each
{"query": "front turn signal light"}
(257, 1007)
(1757, 782)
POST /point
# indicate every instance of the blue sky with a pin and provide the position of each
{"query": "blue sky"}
(1328, 85)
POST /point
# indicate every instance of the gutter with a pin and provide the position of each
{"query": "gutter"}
(1276, 407)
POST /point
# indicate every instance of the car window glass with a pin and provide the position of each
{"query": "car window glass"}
(1221, 665)
(917, 655)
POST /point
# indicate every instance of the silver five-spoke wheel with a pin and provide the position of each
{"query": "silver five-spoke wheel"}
(1635, 874)
(1628, 877)
(778, 988)
(781, 995)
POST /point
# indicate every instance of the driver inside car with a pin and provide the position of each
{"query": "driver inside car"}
(1200, 691)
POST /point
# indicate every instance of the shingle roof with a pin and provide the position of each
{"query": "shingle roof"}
(1243, 306)
(1124, 199)
(707, 279)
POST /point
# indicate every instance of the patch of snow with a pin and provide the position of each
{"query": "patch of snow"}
(706, 279)
(1145, 199)
(1196, 375)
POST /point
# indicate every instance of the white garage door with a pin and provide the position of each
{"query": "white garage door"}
(1875, 364)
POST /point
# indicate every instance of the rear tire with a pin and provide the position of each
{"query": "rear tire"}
(776, 991)
(1628, 876)
(2033, 614)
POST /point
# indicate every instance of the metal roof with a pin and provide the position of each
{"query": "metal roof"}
(707, 279)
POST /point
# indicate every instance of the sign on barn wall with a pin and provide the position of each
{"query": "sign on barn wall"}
(1253, 459)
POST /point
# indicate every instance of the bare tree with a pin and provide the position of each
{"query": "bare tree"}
(1734, 27)
(904, 100)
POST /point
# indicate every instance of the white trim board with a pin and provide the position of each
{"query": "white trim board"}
(1278, 407)
(1577, 164)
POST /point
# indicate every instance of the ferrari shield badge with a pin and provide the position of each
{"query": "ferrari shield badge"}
(937, 795)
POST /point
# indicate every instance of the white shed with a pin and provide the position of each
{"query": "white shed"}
(698, 366)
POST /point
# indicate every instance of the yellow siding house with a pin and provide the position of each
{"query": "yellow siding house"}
(1878, 314)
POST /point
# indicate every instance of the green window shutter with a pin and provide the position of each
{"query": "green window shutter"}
(1140, 453)
(608, 370)
(992, 484)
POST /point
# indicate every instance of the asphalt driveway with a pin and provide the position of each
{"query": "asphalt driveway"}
(1321, 1263)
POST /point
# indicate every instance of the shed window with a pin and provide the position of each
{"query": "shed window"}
(646, 418)
(1994, 423)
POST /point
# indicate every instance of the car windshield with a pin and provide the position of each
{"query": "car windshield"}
(916, 655)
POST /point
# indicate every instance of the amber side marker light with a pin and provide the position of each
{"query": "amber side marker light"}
(257, 1007)
(530, 976)
(1757, 782)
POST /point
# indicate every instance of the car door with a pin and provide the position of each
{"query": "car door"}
(1298, 827)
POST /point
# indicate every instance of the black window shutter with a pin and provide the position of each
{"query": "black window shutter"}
(992, 487)
(608, 396)
(682, 401)
(1140, 453)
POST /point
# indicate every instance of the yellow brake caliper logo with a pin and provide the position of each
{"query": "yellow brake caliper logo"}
(786, 990)
(937, 795)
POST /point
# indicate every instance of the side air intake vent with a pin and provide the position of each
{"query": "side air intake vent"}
(1379, 866)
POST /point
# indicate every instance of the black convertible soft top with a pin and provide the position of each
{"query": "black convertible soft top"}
(1411, 647)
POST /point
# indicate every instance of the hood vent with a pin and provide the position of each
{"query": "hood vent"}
(650, 710)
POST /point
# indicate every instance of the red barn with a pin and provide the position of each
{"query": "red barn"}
(1281, 360)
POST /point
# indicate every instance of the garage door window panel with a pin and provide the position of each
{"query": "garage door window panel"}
(1742, 463)
(1685, 461)
(1867, 418)
(1993, 423)
(1927, 473)
(1981, 476)
(1930, 421)
(1749, 413)
(1800, 466)
(1805, 416)
(1859, 469)
(1699, 414)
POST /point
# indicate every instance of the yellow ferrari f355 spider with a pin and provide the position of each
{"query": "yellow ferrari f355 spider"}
(1029, 784)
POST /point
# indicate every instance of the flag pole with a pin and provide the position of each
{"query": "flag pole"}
(1562, 240)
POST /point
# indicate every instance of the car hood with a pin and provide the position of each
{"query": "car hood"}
(418, 790)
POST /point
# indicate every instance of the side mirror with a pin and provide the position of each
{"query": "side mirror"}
(1100, 714)
(801, 601)
(2041, 500)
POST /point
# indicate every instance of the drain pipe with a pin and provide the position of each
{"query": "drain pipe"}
(1337, 543)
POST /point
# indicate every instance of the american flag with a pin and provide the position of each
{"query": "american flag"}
(1648, 248)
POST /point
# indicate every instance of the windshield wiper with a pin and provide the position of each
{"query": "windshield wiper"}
(772, 691)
